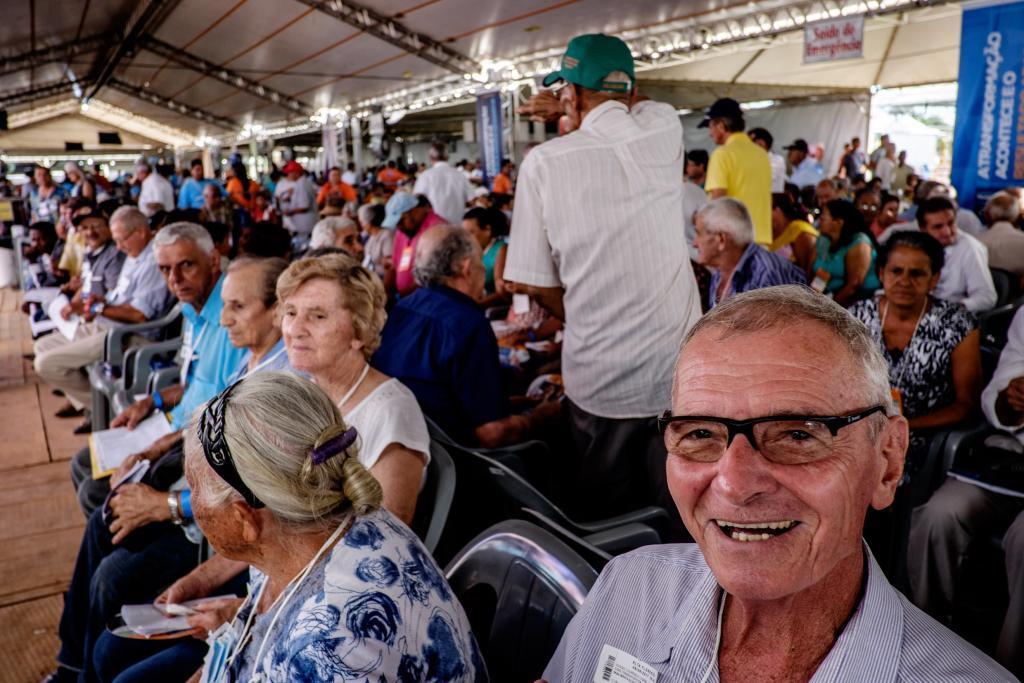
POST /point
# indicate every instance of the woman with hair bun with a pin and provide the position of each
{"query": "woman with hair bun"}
(340, 589)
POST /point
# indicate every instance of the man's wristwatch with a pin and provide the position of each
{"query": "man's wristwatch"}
(97, 308)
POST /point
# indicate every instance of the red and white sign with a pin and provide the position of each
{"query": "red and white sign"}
(826, 41)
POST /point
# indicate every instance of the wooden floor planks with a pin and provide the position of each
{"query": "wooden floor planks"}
(40, 523)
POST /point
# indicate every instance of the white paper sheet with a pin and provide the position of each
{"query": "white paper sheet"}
(984, 485)
(152, 620)
(111, 446)
(66, 327)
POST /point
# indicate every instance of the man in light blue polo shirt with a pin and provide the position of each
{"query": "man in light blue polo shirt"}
(186, 257)
(782, 433)
(191, 194)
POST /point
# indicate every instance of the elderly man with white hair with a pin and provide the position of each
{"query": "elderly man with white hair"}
(155, 193)
(782, 434)
(438, 343)
(140, 295)
(725, 243)
(1003, 239)
(189, 263)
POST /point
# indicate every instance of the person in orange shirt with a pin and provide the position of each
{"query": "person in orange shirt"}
(335, 186)
(239, 188)
(390, 176)
(503, 181)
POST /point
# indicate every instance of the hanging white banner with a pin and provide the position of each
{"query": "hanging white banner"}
(833, 39)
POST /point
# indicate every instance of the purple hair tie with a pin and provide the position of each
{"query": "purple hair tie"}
(332, 447)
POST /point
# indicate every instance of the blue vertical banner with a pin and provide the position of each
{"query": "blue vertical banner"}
(488, 133)
(988, 139)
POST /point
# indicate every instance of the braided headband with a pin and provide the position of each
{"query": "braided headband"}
(210, 431)
(215, 447)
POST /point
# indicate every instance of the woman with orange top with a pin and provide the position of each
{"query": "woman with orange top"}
(241, 191)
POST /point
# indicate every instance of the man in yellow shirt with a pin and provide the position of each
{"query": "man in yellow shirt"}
(739, 168)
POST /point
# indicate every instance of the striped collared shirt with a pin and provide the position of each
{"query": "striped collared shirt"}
(756, 269)
(600, 212)
(660, 605)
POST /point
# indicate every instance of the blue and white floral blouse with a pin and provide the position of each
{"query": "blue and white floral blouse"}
(377, 609)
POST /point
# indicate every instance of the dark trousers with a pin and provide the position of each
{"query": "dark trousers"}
(108, 576)
(619, 467)
(120, 660)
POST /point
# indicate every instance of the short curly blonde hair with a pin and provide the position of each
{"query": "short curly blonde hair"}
(362, 292)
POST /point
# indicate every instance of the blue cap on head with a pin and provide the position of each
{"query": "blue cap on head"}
(399, 203)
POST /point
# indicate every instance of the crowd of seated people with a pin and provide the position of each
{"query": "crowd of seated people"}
(328, 328)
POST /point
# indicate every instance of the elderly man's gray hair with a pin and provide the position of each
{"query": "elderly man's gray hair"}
(438, 261)
(1002, 206)
(729, 216)
(131, 218)
(774, 307)
(174, 232)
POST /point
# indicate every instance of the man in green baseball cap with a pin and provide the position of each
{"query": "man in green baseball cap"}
(597, 62)
(597, 68)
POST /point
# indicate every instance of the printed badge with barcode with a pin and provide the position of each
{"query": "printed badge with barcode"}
(616, 666)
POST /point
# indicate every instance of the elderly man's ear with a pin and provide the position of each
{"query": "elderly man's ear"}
(892, 448)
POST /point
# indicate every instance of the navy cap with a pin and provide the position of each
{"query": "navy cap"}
(723, 108)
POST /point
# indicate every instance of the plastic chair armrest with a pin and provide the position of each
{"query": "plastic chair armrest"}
(140, 363)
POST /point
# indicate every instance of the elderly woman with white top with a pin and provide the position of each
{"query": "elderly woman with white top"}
(332, 312)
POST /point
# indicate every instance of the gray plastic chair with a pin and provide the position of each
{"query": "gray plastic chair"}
(435, 499)
(520, 587)
(491, 491)
(120, 359)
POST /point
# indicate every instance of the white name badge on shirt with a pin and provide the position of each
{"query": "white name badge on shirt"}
(520, 304)
(616, 666)
(406, 260)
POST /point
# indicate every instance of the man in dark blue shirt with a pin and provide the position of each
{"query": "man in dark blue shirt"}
(440, 345)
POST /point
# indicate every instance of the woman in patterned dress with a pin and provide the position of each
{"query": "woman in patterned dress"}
(932, 345)
(341, 590)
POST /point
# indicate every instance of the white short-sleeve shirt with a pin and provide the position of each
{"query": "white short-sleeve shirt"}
(390, 414)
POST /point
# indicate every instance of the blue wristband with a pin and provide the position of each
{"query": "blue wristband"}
(158, 400)
(186, 503)
(92, 308)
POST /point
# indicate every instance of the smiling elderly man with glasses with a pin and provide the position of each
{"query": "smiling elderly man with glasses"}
(782, 433)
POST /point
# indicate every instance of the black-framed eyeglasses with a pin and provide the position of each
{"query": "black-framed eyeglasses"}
(781, 439)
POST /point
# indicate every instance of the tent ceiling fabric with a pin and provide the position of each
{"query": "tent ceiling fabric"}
(297, 48)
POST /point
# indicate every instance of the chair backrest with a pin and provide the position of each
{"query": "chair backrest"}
(489, 492)
(435, 499)
(520, 587)
(1007, 285)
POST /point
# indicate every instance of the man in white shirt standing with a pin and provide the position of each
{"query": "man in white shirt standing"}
(763, 139)
(446, 187)
(885, 167)
(297, 199)
(156, 193)
(350, 176)
(599, 243)
(965, 277)
(807, 172)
